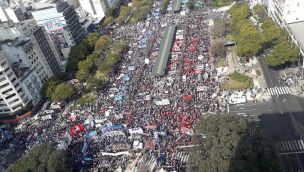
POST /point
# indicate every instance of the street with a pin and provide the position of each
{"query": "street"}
(281, 114)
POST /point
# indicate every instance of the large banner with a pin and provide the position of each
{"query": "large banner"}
(55, 25)
(60, 39)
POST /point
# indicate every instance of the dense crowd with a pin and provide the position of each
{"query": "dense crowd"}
(140, 117)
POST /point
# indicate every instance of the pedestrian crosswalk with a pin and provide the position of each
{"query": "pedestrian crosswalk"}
(277, 91)
(181, 156)
(290, 146)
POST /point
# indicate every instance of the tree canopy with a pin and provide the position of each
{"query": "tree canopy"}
(102, 43)
(92, 39)
(125, 11)
(50, 86)
(108, 20)
(248, 38)
(231, 144)
(260, 11)
(163, 6)
(248, 41)
(285, 53)
(62, 92)
(43, 158)
(239, 11)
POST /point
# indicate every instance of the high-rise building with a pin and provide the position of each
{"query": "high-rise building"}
(28, 57)
(61, 21)
(20, 85)
(94, 7)
(43, 54)
(72, 20)
(97, 8)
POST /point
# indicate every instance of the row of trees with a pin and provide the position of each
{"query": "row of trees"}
(251, 40)
(124, 14)
(43, 158)
(221, 3)
(90, 61)
(229, 143)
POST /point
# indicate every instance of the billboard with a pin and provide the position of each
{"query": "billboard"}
(54, 25)
(60, 39)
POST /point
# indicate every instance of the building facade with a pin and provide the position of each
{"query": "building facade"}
(28, 58)
(95, 8)
(61, 21)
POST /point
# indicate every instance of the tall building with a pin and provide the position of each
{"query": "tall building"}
(61, 21)
(72, 20)
(43, 54)
(20, 85)
(28, 57)
(289, 14)
(96, 8)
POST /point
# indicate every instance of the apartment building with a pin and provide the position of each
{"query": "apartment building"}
(20, 85)
(28, 57)
(61, 21)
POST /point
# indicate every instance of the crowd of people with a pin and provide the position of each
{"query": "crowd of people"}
(140, 117)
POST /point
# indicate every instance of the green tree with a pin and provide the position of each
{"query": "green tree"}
(163, 6)
(43, 158)
(77, 53)
(190, 4)
(125, 11)
(248, 42)
(107, 21)
(103, 43)
(231, 145)
(260, 11)
(270, 33)
(62, 92)
(92, 39)
(119, 48)
(239, 11)
(50, 86)
(285, 53)
(93, 83)
(82, 74)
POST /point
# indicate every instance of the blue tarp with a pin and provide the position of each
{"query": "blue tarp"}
(91, 134)
(161, 157)
(113, 127)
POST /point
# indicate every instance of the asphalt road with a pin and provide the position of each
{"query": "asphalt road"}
(283, 117)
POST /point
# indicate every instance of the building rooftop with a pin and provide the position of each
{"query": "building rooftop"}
(160, 65)
(297, 31)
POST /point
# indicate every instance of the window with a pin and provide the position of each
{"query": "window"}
(6, 110)
(6, 69)
(2, 79)
(10, 96)
(17, 106)
(14, 79)
(16, 85)
(6, 91)
(10, 74)
(3, 63)
(4, 85)
(11, 102)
